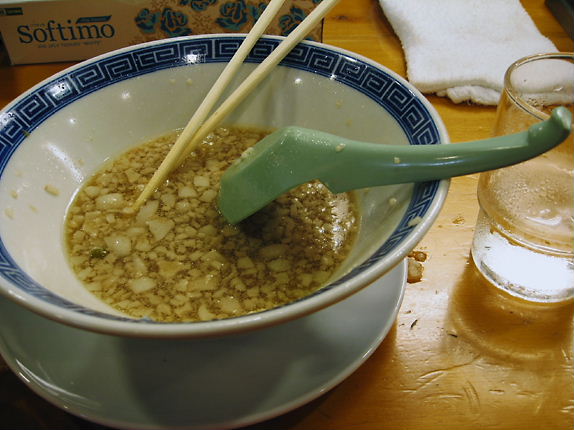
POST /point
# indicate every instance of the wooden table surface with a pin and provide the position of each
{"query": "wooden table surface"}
(460, 355)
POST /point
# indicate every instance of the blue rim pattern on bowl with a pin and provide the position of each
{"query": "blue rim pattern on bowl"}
(30, 111)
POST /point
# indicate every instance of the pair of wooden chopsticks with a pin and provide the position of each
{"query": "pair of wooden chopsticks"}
(198, 128)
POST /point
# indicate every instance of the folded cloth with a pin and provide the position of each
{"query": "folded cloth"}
(462, 48)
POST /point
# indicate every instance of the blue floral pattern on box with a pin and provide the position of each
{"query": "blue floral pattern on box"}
(234, 15)
(198, 5)
(288, 23)
(147, 21)
(186, 17)
(256, 10)
(172, 23)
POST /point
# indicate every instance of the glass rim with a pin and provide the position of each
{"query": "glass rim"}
(515, 96)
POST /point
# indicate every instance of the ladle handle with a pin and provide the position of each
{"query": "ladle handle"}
(363, 164)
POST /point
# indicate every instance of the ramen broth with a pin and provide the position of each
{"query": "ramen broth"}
(176, 259)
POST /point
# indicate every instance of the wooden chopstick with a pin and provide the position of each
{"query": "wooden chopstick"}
(175, 154)
(184, 146)
(260, 73)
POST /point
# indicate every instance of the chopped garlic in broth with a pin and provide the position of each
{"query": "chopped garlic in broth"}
(176, 259)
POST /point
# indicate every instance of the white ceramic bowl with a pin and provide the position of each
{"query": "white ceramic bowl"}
(62, 130)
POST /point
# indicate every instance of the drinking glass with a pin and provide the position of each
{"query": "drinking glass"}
(524, 236)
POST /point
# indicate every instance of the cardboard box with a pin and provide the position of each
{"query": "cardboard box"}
(40, 31)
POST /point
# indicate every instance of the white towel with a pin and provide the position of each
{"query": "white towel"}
(462, 48)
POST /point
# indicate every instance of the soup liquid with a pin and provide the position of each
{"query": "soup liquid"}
(178, 260)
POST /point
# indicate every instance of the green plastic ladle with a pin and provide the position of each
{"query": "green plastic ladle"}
(292, 156)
